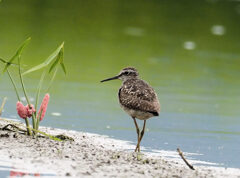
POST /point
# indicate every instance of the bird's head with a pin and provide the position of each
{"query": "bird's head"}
(125, 74)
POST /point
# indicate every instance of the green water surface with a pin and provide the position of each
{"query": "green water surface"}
(189, 51)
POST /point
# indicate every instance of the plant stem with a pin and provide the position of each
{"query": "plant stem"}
(25, 94)
(52, 79)
(2, 106)
(38, 119)
(33, 121)
(14, 85)
(37, 124)
(39, 87)
(28, 127)
(21, 79)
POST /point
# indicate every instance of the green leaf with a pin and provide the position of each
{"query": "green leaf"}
(3, 60)
(17, 54)
(64, 68)
(52, 79)
(47, 61)
(54, 54)
(54, 64)
(38, 67)
(61, 55)
(61, 61)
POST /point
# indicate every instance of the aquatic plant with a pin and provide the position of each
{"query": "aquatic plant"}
(30, 110)
(43, 109)
(21, 110)
(52, 63)
(23, 113)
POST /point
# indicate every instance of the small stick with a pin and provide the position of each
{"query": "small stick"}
(2, 106)
(181, 154)
(13, 126)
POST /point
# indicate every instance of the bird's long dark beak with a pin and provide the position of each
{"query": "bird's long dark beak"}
(112, 78)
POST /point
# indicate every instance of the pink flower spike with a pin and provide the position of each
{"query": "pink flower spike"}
(43, 107)
(22, 110)
(30, 110)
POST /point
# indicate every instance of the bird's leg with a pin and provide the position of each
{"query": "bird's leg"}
(141, 136)
(138, 131)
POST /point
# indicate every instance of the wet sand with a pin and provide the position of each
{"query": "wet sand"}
(91, 155)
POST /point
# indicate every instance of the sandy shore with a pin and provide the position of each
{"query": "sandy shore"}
(90, 155)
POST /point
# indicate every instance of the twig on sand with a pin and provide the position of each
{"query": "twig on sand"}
(6, 127)
(14, 128)
(2, 106)
(181, 154)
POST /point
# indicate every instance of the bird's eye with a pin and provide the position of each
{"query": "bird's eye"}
(126, 73)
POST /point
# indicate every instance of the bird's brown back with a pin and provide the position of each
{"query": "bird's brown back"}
(138, 95)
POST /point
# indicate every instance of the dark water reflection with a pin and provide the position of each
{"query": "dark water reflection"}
(188, 50)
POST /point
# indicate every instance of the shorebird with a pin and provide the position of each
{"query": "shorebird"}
(137, 98)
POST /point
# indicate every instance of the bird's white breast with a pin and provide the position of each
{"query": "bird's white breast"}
(136, 113)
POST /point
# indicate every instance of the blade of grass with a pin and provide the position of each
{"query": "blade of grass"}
(17, 54)
(46, 62)
(47, 135)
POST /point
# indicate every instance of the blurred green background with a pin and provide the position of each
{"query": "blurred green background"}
(187, 50)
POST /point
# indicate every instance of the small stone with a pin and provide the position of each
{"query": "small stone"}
(68, 174)
(15, 135)
(4, 135)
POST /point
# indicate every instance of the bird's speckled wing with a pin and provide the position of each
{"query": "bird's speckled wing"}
(138, 95)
